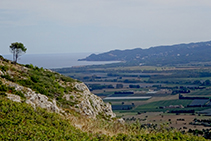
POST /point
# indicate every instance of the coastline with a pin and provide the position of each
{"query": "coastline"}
(51, 61)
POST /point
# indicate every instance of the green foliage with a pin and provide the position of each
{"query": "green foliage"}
(4, 88)
(44, 82)
(19, 93)
(4, 68)
(8, 77)
(2, 94)
(66, 79)
(29, 66)
(35, 78)
(19, 121)
(17, 49)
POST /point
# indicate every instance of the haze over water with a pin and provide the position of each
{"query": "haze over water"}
(56, 60)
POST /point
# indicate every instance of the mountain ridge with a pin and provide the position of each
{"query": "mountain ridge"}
(163, 55)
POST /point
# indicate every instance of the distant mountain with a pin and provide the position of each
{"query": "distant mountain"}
(163, 55)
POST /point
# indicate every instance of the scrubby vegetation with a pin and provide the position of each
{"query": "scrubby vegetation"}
(51, 84)
(45, 82)
(19, 121)
(6, 89)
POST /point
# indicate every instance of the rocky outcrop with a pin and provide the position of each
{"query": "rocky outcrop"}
(32, 98)
(88, 103)
(39, 100)
(92, 105)
(13, 97)
(77, 95)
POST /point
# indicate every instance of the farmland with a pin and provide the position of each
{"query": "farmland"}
(154, 106)
(127, 98)
(124, 86)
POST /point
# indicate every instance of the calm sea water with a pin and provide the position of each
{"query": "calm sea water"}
(56, 60)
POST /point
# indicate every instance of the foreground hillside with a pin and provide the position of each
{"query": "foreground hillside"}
(19, 121)
(38, 104)
(161, 55)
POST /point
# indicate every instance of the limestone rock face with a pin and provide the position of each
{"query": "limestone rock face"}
(32, 98)
(39, 100)
(13, 97)
(92, 105)
(88, 103)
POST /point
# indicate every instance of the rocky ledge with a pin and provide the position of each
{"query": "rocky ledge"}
(88, 103)
(92, 105)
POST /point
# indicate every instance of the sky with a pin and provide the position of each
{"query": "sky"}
(96, 26)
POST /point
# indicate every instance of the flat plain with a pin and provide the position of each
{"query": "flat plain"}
(164, 85)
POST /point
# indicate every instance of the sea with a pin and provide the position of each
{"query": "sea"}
(50, 61)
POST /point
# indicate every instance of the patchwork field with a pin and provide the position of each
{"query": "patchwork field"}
(162, 84)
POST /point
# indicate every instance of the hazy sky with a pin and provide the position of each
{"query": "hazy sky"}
(69, 26)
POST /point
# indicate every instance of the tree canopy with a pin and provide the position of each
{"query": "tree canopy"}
(17, 49)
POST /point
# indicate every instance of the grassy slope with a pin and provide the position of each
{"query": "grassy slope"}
(19, 121)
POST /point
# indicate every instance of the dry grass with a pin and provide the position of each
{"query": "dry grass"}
(101, 126)
(98, 125)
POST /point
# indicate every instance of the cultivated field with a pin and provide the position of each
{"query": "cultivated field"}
(162, 84)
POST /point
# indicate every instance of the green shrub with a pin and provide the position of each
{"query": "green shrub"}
(29, 66)
(3, 88)
(4, 68)
(67, 79)
(6, 77)
(19, 121)
(36, 68)
(20, 94)
(25, 82)
(3, 94)
(35, 78)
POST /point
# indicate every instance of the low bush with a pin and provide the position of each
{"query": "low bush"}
(4, 68)
(29, 66)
